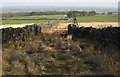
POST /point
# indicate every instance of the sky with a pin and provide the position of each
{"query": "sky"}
(55, 3)
(62, 4)
(59, 0)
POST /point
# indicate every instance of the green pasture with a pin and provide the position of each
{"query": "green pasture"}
(38, 16)
(97, 18)
(23, 21)
(45, 19)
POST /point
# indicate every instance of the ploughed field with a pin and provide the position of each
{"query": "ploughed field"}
(34, 50)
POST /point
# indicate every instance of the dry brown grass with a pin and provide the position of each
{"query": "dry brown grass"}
(36, 57)
(49, 54)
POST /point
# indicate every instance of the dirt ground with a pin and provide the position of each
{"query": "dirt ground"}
(93, 24)
(15, 25)
(64, 25)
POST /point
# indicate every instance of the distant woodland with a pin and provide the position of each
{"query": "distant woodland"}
(69, 13)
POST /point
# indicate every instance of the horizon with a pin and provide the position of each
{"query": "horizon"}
(58, 6)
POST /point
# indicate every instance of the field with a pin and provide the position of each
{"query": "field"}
(98, 18)
(48, 18)
(40, 16)
(31, 19)
(4, 22)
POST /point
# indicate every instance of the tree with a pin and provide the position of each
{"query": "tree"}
(92, 13)
(69, 14)
(84, 13)
(109, 13)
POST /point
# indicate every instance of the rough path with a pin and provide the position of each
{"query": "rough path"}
(63, 26)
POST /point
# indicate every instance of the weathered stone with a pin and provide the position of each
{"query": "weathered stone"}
(104, 36)
(19, 33)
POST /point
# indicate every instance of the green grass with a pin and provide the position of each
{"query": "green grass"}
(45, 17)
(98, 18)
(38, 16)
(23, 21)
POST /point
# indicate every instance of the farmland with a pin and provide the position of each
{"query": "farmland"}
(98, 18)
(30, 19)
(38, 16)
(4, 22)
(48, 18)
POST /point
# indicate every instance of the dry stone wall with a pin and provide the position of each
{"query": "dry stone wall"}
(104, 36)
(20, 33)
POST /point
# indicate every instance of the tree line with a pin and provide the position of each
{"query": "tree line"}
(80, 13)
(32, 13)
(68, 13)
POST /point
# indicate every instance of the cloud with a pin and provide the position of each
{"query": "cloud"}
(63, 4)
(59, 0)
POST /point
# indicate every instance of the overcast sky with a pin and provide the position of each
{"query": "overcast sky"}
(75, 3)
(59, 0)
